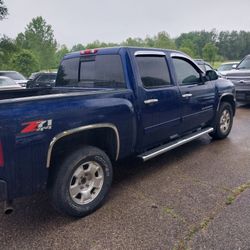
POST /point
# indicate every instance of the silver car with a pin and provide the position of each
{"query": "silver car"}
(7, 83)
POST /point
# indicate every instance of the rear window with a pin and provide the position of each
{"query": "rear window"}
(95, 71)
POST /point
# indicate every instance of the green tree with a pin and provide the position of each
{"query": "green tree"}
(78, 47)
(209, 52)
(39, 38)
(137, 42)
(3, 10)
(7, 49)
(187, 51)
(60, 54)
(25, 62)
(163, 40)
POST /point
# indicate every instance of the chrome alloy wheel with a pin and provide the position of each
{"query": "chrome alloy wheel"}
(86, 182)
(225, 121)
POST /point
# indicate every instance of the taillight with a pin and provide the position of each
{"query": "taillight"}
(88, 51)
(1, 155)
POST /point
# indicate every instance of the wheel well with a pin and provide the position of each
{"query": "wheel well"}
(102, 138)
(229, 99)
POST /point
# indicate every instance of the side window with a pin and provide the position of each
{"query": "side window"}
(43, 78)
(185, 72)
(68, 72)
(153, 71)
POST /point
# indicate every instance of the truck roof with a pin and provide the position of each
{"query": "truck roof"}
(112, 50)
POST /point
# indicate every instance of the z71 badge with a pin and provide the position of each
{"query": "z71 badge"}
(36, 126)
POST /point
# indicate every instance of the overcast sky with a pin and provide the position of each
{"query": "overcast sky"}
(81, 21)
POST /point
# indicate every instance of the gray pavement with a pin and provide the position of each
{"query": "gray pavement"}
(176, 201)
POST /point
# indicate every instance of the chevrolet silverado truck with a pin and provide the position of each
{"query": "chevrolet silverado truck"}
(108, 104)
(240, 77)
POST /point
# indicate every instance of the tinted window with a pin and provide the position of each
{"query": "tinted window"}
(153, 71)
(46, 78)
(185, 72)
(68, 72)
(101, 71)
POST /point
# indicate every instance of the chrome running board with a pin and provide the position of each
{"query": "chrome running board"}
(174, 144)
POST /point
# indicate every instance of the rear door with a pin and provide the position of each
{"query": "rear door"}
(197, 96)
(159, 99)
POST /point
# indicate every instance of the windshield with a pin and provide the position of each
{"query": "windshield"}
(13, 75)
(245, 64)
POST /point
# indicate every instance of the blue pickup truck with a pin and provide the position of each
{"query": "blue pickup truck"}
(108, 104)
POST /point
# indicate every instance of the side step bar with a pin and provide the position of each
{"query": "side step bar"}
(174, 144)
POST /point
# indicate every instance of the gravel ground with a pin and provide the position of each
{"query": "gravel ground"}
(194, 197)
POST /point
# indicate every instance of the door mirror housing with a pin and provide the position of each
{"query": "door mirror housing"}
(234, 66)
(211, 75)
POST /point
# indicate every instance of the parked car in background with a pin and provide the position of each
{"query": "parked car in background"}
(205, 66)
(41, 80)
(16, 76)
(240, 76)
(7, 83)
(227, 66)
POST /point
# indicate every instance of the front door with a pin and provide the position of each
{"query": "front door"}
(159, 99)
(198, 96)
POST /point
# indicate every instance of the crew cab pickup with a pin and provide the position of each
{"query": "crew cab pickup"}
(108, 104)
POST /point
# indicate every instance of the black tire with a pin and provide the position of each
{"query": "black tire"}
(220, 131)
(65, 178)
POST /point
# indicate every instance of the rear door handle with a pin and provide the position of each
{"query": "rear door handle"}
(150, 101)
(187, 95)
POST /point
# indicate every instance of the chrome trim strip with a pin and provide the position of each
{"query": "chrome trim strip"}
(149, 52)
(80, 129)
(148, 156)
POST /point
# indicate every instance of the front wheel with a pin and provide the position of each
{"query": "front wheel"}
(224, 121)
(80, 185)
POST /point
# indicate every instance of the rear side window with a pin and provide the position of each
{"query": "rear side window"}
(95, 71)
(104, 71)
(153, 71)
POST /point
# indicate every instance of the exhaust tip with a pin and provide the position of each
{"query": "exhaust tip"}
(8, 208)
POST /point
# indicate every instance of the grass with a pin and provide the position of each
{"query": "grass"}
(236, 192)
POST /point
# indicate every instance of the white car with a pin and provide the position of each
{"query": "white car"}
(7, 83)
(16, 76)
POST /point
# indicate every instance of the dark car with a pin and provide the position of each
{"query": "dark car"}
(108, 104)
(16, 76)
(41, 80)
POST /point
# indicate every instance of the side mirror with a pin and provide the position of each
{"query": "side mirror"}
(211, 75)
(234, 66)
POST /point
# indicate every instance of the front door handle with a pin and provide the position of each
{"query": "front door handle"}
(150, 101)
(187, 95)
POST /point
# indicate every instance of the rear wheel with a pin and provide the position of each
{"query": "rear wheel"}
(224, 121)
(81, 183)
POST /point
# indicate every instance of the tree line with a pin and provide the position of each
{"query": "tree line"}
(36, 48)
